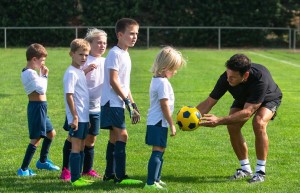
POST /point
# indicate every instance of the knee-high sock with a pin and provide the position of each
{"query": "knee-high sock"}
(45, 149)
(82, 155)
(88, 158)
(28, 156)
(110, 168)
(154, 167)
(161, 164)
(75, 160)
(66, 154)
(120, 157)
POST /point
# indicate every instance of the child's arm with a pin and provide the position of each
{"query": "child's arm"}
(115, 84)
(167, 114)
(71, 104)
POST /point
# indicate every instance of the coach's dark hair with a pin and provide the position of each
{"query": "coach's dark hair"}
(123, 23)
(239, 62)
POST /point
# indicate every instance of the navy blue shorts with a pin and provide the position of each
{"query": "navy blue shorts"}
(156, 136)
(81, 132)
(271, 105)
(94, 121)
(95, 124)
(112, 117)
(39, 123)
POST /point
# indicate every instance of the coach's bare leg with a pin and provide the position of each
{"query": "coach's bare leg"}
(238, 143)
(260, 122)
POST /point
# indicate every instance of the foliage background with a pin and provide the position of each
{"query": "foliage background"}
(234, 13)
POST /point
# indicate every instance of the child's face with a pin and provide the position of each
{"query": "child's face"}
(98, 46)
(129, 37)
(38, 62)
(79, 57)
(170, 73)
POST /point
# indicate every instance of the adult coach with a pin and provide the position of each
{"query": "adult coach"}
(255, 93)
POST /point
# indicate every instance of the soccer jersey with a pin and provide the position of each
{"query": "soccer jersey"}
(95, 82)
(160, 88)
(119, 60)
(259, 87)
(33, 82)
(75, 83)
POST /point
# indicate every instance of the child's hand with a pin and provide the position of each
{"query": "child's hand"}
(136, 117)
(173, 130)
(74, 124)
(44, 70)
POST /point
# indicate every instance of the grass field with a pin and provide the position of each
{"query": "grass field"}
(198, 161)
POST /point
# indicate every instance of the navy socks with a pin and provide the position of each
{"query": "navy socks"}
(28, 156)
(154, 167)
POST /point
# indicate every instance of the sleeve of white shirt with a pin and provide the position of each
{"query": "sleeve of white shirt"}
(70, 82)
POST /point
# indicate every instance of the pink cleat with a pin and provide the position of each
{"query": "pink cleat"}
(91, 173)
(65, 175)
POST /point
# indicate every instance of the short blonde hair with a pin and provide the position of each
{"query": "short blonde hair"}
(94, 32)
(167, 59)
(79, 43)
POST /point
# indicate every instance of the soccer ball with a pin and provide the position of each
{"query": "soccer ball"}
(188, 118)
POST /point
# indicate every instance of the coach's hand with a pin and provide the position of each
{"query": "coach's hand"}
(135, 118)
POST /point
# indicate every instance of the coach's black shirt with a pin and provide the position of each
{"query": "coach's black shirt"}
(259, 87)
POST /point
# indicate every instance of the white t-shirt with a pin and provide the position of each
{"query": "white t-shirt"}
(160, 88)
(75, 82)
(33, 82)
(94, 81)
(120, 61)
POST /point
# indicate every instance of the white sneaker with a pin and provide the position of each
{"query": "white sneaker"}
(258, 177)
(240, 174)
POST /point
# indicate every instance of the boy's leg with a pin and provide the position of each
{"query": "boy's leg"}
(28, 156)
(120, 157)
(45, 149)
(160, 168)
(109, 170)
(66, 153)
(154, 167)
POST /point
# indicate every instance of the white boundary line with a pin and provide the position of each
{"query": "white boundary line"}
(275, 59)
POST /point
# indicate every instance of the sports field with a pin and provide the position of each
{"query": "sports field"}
(197, 161)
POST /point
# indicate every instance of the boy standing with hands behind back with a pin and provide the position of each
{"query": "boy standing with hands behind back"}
(115, 98)
(76, 97)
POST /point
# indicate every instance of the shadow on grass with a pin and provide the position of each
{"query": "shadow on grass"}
(196, 179)
(46, 183)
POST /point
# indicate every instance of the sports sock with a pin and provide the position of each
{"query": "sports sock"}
(154, 166)
(88, 158)
(120, 157)
(75, 159)
(245, 164)
(82, 155)
(159, 173)
(110, 149)
(261, 166)
(28, 156)
(66, 154)
(45, 149)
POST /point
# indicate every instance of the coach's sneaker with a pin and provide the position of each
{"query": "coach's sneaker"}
(127, 181)
(91, 173)
(258, 177)
(81, 182)
(65, 175)
(48, 165)
(109, 178)
(27, 172)
(240, 174)
(154, 186)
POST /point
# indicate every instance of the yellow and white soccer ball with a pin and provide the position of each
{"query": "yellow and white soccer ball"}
(188, 118)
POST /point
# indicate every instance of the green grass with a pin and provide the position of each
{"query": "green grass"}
(198, 161)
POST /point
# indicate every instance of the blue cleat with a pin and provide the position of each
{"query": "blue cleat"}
(48, 165)
(27, 172)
